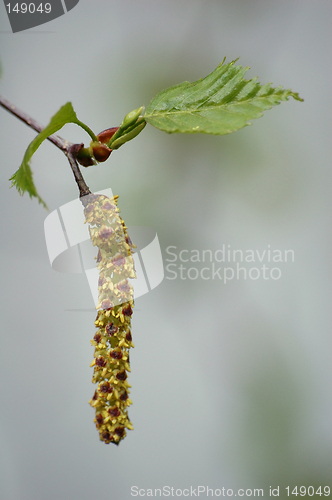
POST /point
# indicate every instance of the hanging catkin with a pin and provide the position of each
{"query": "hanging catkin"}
(113, 338)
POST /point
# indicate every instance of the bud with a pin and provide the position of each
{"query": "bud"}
(131, 118)
(130, 135)
(83, 155)
(100, 151)
(106, 135)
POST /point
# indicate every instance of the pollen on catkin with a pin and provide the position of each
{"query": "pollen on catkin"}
(113, 338)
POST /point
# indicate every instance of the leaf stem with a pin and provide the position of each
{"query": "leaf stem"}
(87, 129)
(68, 148)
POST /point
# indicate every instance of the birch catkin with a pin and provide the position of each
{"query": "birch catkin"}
(113, 338)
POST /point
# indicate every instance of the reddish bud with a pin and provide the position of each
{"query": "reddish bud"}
(124, 396)
(107, 304)
(108, 206)
(83, 155)
(97, 338)
(99, 419)
(111, 329)
(86, 161)
(120, 431)
(118, 260)
(129, 242)
(101, 281)
(114, 411)
(106, 388)
(100, 151)
(105, 232)
(106, 135)
(121, 375)
(127, 311)
(101, 361)
(116, 354)
(123, 286)
(106, 436)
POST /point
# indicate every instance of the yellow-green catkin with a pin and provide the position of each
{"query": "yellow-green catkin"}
(113, 338)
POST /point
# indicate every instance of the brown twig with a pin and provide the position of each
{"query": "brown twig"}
(68, 148)
(71, 155)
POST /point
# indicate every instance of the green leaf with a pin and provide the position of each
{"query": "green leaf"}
(22, 179)
(219, 104)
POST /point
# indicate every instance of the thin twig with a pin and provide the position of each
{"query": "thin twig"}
(68, 148)
(55, 139)
(71, 155)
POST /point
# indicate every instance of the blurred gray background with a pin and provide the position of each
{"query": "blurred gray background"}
(231, 383)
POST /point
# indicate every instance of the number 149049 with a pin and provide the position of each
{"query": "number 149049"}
(29, 8)
(309, 491)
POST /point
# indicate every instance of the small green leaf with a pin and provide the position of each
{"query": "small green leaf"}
(132, 124)
(128, 134)
(22, 179)
(219, 104)
(131, 118)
